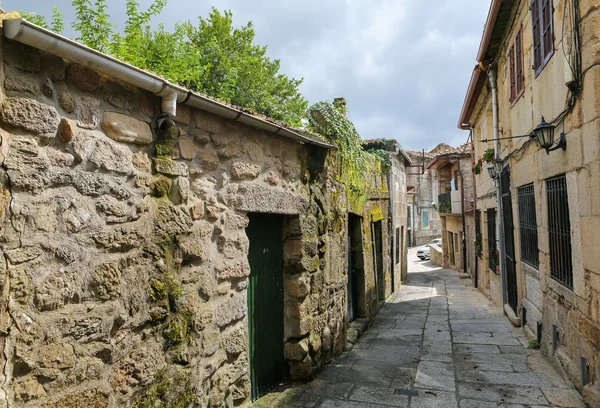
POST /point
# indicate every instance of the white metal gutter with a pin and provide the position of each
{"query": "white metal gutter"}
(30, 34)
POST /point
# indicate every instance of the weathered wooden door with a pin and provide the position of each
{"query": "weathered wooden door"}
(265, 302)
(351, 290)
(509, 242)
(378, 258)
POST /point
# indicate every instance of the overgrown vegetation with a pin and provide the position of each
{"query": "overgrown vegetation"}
(534, 345)
(356, 164)
(212, 56)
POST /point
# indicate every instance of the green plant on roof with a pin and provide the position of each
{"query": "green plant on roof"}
(210, 56)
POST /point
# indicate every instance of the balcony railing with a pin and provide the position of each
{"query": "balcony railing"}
(445, 203)
(450, 203)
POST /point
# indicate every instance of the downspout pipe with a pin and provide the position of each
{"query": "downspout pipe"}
(30, 34)
(472, 137)
(499, 232)
(464, 229)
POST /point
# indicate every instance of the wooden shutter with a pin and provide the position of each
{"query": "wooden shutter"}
(520, 79)
(537, 38)
(511, 61)
(547, 34)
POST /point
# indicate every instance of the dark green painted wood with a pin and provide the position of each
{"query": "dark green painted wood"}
(265, 302)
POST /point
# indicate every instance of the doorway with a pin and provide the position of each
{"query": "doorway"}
(378, 260)
(509, 241)
(356, 271)
(265, 302)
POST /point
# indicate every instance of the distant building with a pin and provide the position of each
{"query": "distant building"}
(424, 224)
(455, 195)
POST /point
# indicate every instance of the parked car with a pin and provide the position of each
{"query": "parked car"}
(424, 252)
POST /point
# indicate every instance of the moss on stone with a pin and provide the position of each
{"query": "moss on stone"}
(177, 329)
(161, 187)
(158, 289)
(172, 393)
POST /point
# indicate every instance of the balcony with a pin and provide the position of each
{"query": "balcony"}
(450, 203)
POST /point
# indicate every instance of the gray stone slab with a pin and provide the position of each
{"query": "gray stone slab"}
(492, 358)
(563, 397)
(502, 393)
(514, 350)
(480, 328)
(328, 403)
(434, 399)
(436, 334)
(484, 338)
(476, 348)
(360, 375)
(378, 395)
(497, 377)
(324, 388)
(435, 375)
(471, 403)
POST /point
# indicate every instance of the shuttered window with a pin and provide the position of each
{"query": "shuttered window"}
(515, 60)
(542, 12)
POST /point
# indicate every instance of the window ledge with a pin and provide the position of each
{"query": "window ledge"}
(538, 70)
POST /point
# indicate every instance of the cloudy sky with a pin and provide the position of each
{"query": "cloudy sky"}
(403, 65)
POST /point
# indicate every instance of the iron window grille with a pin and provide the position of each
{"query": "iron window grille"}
(493, 256)
(559, 230)
(528, 226)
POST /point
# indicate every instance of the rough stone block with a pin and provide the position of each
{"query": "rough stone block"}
(197, 211)
(244, 171)
(88, 112)
(126, 129)
(66, 101)
(141, 162)
(110, 156)
(534, 292)
(230, 310)
(233, 340)
(170, 167)
(298, 287)
(24, 254)
(233, 270)
(233, 245)
(83, 77)
(296, 350)
(68, 130)
(31, 115)
(302, 370)
(20, 83)
(187, 148)
(106, 282)
(22, 57)
(211, 340)
(53, 67)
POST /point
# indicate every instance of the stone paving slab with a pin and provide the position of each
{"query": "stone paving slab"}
(435, 343)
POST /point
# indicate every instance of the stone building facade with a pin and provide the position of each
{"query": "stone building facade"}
(549, 209)
(455, 187)
(424, 222)
(129, 241)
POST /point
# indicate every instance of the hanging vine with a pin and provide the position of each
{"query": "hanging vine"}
(356, 167)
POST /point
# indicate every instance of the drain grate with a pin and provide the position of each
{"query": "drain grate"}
(410, 393)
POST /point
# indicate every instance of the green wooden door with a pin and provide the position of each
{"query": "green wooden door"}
(265, 302)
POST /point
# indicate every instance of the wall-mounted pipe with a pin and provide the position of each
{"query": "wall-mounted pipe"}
(30, 34)
(499, 235)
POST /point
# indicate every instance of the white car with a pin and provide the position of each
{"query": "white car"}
(424, 252)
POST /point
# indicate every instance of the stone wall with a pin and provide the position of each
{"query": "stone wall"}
(125, 266)
(575, 311)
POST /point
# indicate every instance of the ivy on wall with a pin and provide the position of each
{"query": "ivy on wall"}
(361, 171)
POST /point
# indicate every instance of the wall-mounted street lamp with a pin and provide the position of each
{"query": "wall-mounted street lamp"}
(495, 168)
(544, 136)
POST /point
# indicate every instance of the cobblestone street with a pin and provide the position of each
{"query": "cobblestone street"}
(438, 342)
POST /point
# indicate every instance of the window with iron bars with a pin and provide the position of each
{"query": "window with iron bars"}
(559, 231)
(493, 256)
(528, 226)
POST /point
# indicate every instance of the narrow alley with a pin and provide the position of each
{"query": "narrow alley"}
(438, 342)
